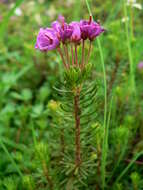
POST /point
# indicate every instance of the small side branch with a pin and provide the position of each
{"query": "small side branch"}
(62, 142)
(46, 173)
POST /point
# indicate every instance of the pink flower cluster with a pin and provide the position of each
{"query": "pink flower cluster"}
(64, 33)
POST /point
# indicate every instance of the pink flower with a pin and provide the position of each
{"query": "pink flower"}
(90, 29)
(76, 34)
(47, 40)
(64, 31)
(66, 37)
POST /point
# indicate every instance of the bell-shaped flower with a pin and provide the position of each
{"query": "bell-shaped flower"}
(64, 30)
(47, 40)
(90, 29)
(76, 34)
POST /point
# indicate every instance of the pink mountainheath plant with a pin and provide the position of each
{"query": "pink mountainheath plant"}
(66, 39)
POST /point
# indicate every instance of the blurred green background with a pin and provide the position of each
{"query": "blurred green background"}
(28, 100)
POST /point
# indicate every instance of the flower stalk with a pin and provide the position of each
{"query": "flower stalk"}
(72, 54)
(89, 51)
(62, 57)
(76, 58)
(83, 50)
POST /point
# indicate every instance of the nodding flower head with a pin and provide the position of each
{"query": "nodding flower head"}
(64, 31)
(76, 34)
(47, 40)
(96, 30)
(62, 34)
(90, 29)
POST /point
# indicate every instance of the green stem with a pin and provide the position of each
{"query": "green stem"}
(128, 167)
(131, 22)
(132, 77)
(6, 19)
(104, 151)
(11, 159)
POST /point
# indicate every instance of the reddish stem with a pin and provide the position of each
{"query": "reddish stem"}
(72, 54)
(62, 57)
(76, 59)
(46, 173)
(77, 129)
(90, 19)
(82, 61)
(67, 54)
(89, 51)
(65, 51)
(136, 162)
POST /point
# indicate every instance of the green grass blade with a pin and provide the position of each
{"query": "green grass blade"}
(107, 130)
(105, 145)
(23, 71)
(33, 134)
(128, 38)
(18, 76)
(104, 151)
(129, 166)
(114, 12)
(10, 158)
(8, 16)
(123, 151)
(12, 144)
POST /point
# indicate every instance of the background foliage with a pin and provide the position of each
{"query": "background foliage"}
(30, 125)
